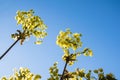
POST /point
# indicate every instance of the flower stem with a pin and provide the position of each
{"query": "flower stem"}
(64, 70)
(9, 49)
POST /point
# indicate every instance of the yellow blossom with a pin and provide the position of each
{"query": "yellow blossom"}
(68, 40)
(31, 25)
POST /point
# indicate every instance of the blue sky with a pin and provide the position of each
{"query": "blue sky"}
(97, 20)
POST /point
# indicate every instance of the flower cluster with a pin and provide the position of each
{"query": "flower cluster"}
(70, 58)
(71, 41)
(87, 52)
(68, 40)
(22, 74)
(53, 72)
(80, 74)
(31, 25)
(102, 76)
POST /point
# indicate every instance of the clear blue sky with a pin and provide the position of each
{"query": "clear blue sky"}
(97, 20)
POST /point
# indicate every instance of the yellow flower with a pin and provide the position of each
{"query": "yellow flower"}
(4, 78)
(90, 53)
(23, 74)
(31, 25)
(68, 40)
(38, 42)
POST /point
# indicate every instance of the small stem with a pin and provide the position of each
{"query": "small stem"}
(9, 49)
(64, 70)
